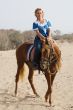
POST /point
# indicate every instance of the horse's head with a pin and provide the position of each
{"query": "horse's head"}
(49, 59)
(45, 54)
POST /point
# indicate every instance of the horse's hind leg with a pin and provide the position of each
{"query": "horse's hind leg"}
(30, 78)
(17, 77)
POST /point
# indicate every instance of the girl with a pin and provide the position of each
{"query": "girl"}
(42, 28)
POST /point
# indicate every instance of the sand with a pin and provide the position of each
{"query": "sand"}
(62, 95)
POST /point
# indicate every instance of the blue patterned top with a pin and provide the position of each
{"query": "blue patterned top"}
(43, 28)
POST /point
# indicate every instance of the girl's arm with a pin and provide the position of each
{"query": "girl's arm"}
(49, 37)
(49, 33)
(40, 35)
(35, 28)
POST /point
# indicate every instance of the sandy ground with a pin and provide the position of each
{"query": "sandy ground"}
(62, 96)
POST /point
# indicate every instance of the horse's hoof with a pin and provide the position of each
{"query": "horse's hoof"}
(50, 102)
(15, 93)
(37, 95)
(46, 98)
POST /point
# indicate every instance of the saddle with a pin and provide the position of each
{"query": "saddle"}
(32, 57)
(30, 53)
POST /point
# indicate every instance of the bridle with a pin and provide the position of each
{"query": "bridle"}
(46, 62)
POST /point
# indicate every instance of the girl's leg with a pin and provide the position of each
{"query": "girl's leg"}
(37, 52)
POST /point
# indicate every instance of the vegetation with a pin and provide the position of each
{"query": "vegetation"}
(11, 39)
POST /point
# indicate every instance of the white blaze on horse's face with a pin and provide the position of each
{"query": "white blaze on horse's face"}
(45, 51)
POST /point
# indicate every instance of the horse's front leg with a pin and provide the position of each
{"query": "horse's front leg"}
(30, 78)
(50, 79)
(50, 89)
(48, 93)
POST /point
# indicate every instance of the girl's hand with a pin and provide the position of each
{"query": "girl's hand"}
(42, 40)
(49, 38)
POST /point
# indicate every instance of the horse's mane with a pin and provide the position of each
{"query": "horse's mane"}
(58, 55)
(56, 51)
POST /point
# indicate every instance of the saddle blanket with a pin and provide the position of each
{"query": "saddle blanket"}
(29, 51)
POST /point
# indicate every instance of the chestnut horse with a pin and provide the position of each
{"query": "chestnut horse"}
(48, 65)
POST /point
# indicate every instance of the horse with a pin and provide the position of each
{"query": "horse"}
(49, 65)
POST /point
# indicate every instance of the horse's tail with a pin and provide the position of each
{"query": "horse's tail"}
(22, 72)
(21, 75)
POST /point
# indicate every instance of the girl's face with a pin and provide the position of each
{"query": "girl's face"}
(39, 14)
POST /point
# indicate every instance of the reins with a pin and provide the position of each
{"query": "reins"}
(45, 63)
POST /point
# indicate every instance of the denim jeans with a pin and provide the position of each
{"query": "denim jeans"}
(38, 46)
